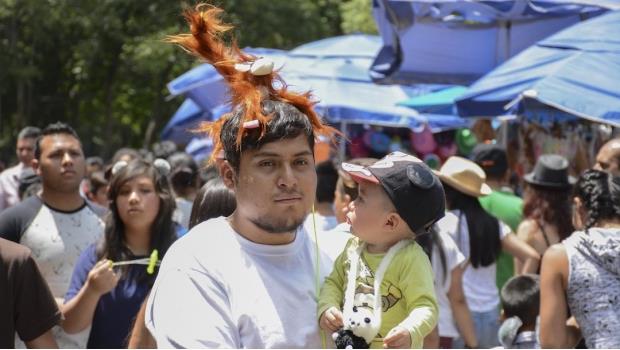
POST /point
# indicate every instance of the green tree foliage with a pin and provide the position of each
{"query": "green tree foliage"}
(101, 65)
(357, 17)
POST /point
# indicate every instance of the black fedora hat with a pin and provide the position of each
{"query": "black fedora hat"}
(551, 170)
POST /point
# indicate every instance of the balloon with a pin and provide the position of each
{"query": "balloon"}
(432, 160)
(466, 141)
(423, 142)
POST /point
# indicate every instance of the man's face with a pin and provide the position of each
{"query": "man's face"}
(276, 184)
(25, 150)
(62, 164)
(607, 158)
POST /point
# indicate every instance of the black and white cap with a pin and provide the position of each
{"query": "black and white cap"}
(417, 193)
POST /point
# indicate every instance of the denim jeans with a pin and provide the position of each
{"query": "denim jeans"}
(487, 326)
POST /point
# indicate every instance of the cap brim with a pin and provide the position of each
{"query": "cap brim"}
(359, 173)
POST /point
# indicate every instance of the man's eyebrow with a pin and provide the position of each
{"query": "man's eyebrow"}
(278, 155)
(266, 154)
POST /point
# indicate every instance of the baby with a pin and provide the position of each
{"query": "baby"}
(383, 275)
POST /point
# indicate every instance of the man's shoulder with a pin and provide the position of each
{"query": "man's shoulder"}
(100, 211)
(16, 219)
(208, 241)
(15, 169)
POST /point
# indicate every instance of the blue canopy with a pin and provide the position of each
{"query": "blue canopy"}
(457, 41)
(187, 117)
(336, 71)
(576, 71)
(441, 101)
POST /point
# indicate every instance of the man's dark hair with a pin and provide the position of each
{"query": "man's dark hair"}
(520, 297)
(327, 176)
(287, 122)
(29, 132)
(54, 129)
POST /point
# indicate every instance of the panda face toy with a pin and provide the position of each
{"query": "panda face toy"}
(362, 322)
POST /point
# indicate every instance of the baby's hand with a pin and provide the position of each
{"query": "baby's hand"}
(331, 320)
(397, 338)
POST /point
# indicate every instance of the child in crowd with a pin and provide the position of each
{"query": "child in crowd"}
(382, 272)
(520, 299)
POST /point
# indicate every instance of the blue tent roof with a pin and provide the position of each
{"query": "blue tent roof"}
(457, 41)
(439, 101)
(187, 117)
(336, 71)
(576, 71)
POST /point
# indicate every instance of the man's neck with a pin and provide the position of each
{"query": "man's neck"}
(324, 209)
(253, 233)
(62, 201)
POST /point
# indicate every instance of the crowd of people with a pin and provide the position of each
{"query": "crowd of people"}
(266, 249)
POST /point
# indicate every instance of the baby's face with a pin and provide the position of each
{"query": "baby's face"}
(368, 213)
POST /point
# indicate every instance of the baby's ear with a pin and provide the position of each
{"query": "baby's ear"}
(393, 221)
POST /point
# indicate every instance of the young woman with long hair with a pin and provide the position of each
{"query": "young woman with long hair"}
(547, 204)
(105, 296)
(480, 237)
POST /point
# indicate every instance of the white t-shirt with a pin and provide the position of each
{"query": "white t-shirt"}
(478, 283)
(454, 257)
(323, 223)
(218, 289)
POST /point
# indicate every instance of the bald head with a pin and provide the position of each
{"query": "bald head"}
(608, 157)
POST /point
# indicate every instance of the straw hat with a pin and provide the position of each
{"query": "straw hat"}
(465, 176)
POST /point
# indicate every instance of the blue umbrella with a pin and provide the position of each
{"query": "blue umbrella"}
(575, 72)
(187, 117)
(458, 41)
(441, 101)
(337, 74)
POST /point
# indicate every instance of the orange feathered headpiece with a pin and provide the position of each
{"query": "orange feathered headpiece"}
(250, 79)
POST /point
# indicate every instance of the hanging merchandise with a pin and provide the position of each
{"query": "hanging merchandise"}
(357, 148)
(465, 141)
(446, 146)
(423, 142)
(377, 141)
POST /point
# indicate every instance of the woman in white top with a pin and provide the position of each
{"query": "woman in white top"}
(454, 317)
(480, 237)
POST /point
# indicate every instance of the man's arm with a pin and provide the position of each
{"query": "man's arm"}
(44, 341)
(37, 311)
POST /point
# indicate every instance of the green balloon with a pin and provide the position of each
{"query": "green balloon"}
(465, 141)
